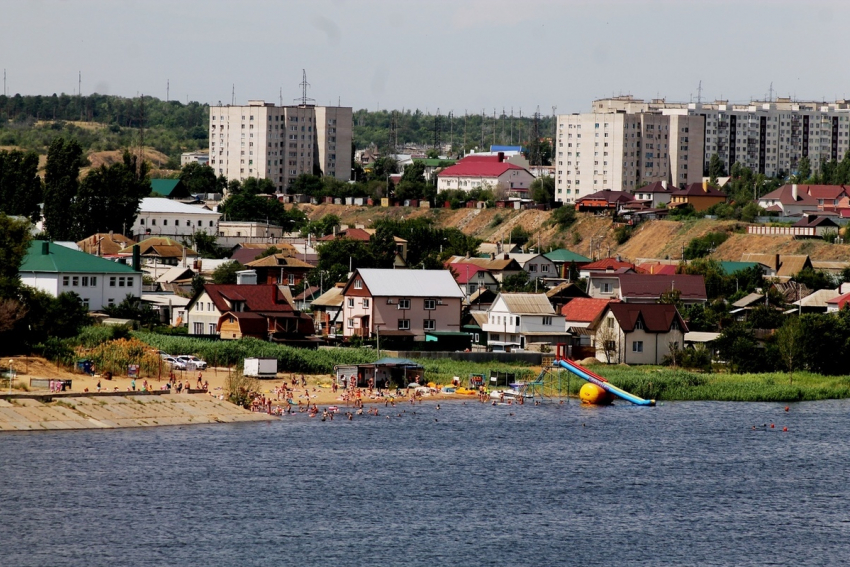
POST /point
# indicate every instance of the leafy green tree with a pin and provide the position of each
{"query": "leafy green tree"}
(14, 245)
(108, 197)
(226, 273)
(321, 227)
(542, 190)
(198, 282)
(20, 185)
(335, 257)
(61, 183)
(766, 317)
(519, 235)
(563, 216)
(814, 279)
(199, 178)
(738, 347)
(133, 308)
(520, 283)
(704, 245)
(254, 186)
(382, 247)
(804, 169)
(206, 245)
(750, 211)
(306, 184)
(245, 206)
(715, 168)
(270, 251)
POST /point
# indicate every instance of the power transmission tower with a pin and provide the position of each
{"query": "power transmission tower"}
(393, 141)
(233, 95)
(699, 93)
(304, 84)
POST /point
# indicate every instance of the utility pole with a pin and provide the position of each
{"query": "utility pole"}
(80, 92)
(167, 89)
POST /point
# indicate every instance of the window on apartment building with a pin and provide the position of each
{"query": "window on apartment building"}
(350, 323)
(93, 281)
(365, 302)
(637, 346)
(547, 320)
(404, 304)
(351, 302)
(112, 280)
(430, 304)
(429, 325)
(66, 280)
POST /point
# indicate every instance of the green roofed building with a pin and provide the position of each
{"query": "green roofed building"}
(730, 268)
(169, 188)
(562, 259)
(55, 269)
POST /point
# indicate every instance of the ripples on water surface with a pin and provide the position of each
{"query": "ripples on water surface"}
(683, 483)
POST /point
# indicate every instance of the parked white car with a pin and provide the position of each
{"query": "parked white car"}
(192, 362)
(175, 363)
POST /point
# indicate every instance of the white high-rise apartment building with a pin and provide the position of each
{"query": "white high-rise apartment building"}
(769, 137)
(280, 142)
(622, 151)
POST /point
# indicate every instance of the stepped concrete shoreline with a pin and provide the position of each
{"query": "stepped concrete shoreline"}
(52, 412)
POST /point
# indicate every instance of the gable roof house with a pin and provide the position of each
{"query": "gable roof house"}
(654, 194)
(604, 201)
(794, 199)
(780, 266)
(606, 265)
(280, 269)
(634, 333)
(645, 288)
(475, 172)
(536, 265)
(233, 311)
(472, 277)
(327, 311)
(105, 244)
(164, 217)
(562, 259)
(523, 321)
(499, 266)
(404, 304)
(56, 269)
(582, 313)
(700, 196)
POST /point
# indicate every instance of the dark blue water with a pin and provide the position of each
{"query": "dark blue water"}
(683, 483)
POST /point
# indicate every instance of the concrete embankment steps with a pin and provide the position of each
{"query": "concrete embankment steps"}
(29, 413)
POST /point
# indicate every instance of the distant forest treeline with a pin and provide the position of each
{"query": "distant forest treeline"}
(172, 127)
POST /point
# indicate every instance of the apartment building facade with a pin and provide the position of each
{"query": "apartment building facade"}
(280, 143)
(622, 151)
(769, 137)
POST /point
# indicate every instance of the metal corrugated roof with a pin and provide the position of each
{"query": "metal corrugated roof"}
(527, 303)
(60, 259)
(410, 283)
(161, 205)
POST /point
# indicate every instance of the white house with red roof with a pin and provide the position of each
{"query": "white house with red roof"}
(791, 200)
(474, 172)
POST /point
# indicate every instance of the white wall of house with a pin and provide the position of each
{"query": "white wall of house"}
(400, 313)
(540, 267)
(96, 290)
(511, 180)
(601, 287)
(637, 346)
(503, 326)
(202, 316)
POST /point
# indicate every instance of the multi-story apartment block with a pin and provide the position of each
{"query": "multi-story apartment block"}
(615, 149)
(280, 142)
(769, 137)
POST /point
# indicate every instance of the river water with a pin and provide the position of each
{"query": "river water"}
(558, 484)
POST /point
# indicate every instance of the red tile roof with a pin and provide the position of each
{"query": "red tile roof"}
(478, 168)
(584, 310)
(257, 297)
(465, 272)
(657, 317)
(656, 268)
(607, 264)
(841, 300)
(785, 196)
(352, 233)
(643, 286)
(656, 187)
(824, 191)
(608, 196)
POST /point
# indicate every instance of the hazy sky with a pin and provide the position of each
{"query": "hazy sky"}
(452, 54)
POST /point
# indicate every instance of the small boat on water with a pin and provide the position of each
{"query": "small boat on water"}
(506, 394)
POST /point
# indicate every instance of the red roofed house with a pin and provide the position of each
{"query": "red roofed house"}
(604, 201)
(657, 268)
(479, 171)
(581, 313)
(645, 288)
(634, 333)
(365, 235)
(700, 196)
(836, 304)
(791, 200)
(471, 277)
(233, 311)
(654, 194)
(606, 265)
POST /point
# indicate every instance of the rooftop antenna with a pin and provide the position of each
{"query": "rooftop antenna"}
(233, 95)
(281, 96)
(699, 93)
(512, 125)
(304, 84)
(771, 92)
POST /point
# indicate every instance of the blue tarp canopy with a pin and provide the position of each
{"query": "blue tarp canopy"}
(386, 361)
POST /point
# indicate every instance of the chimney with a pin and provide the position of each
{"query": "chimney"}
(507, 256)
(618, 258)
(776, 263)
(45, 248)
(137, 264)
(794, 191)
(705, 185)
(492, 256)
(664, 185)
